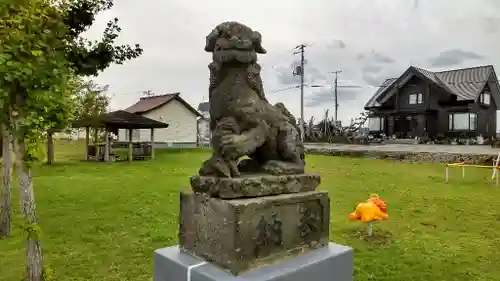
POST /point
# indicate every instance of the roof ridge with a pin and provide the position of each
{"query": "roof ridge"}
(465, 68)
(416, 67)
(159, 96)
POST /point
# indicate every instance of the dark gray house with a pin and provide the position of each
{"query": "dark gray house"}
(454, 103)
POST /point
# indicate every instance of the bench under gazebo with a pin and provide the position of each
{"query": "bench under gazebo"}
(113, 121)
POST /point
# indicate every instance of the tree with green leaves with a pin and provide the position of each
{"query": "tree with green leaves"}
(35, 69)
(86, 101)
(91, 101)
(61, 119)
(88, 58)
(40, 56)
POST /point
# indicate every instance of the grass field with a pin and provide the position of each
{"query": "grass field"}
(102, 221)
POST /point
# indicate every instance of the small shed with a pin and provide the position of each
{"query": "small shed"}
(171, 109)
(112, 122)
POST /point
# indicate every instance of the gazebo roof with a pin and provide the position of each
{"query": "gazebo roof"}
(121, 119)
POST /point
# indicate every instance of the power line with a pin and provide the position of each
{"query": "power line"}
(283, 89)
(366, 86)
(295, 87)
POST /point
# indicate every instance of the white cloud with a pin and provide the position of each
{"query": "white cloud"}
(368, 40)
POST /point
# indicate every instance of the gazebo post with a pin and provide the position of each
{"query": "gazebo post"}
(106, 145)
(96, 143)
(152, 143)
(130, 145)
(87, 139)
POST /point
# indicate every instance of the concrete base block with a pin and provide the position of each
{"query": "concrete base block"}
(241, 234)
(331, 263)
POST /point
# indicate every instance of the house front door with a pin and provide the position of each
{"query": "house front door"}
(429, 125)
(404, 125)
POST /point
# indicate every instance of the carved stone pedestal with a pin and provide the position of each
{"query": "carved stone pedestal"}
(241, 234)
(254, 185)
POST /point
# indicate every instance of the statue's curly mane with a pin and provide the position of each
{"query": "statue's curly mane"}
(254, 80)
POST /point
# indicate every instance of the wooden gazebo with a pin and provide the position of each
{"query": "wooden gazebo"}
(112, 122)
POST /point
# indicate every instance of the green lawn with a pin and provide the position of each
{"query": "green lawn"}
(103, 221)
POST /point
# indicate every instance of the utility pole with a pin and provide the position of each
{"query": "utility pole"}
(336, 96)
(326, 122)
(300, 71)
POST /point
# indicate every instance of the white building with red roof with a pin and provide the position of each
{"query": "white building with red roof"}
(182, 118)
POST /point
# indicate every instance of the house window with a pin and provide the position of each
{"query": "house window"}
(462, 121)
(485, 98)
(376, 124)
(416, 98)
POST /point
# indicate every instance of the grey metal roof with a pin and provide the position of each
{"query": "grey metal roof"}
(204, 106)
(386, 84)
(466, 83)
(429, 75)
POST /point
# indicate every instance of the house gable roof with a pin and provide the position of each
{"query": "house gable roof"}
(466, 83)
(147, 104)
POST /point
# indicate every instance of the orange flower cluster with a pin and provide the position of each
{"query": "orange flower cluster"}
(373, 209)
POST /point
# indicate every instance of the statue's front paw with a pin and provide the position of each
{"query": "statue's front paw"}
(231, 144)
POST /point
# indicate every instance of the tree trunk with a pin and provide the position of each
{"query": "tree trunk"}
(34, 252)
(50, 147)
(6, 188)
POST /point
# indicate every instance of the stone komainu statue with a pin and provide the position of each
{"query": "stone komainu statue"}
(242, 121)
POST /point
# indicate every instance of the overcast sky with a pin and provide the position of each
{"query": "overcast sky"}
(368, 40)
